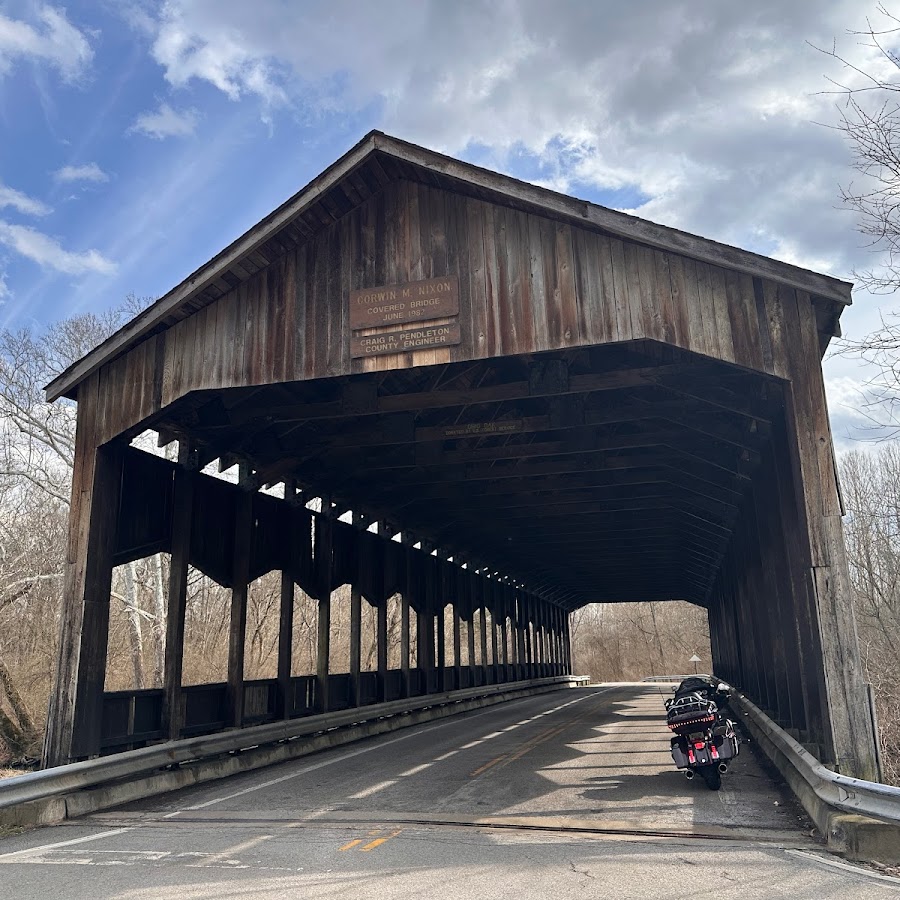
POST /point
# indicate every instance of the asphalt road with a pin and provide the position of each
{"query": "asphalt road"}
(569, 794)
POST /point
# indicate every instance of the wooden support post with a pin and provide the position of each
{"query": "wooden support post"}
(323, 651)
(495, 655)
(559, 640)
(522, 626)
(74, 721)
(323, 561)
(485, 587)
(382, 632)
(404, 642)
(539, 636)
(286, 621)
(285, 645)
(422, 641)
(548, 639)
(182, 516)
(356, 629)
(381, 625)
(470, 634)
(355, 638)
(457, 640)
(440, 625)
(504, 629)
(240, 583)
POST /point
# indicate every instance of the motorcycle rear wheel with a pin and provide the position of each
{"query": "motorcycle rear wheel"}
(712, 777)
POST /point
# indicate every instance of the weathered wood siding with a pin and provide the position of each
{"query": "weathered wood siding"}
(527, 284)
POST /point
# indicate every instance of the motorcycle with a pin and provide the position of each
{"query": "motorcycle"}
(704, 741)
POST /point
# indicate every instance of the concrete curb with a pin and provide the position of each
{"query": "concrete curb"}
(71, 804)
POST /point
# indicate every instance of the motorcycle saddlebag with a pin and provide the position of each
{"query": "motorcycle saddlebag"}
(679, 756)
(726, 741)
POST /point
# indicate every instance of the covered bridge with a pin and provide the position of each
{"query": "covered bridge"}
(551, 403)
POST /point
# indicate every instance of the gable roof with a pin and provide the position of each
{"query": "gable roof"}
(377, 160)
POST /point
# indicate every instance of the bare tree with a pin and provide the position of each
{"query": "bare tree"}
(37, 445)
(868, 110)
(871, 483)
(625, 641)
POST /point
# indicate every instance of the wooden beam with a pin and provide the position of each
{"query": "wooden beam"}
(286, 622)
(92, 638)
(243, 540)
(182, 517)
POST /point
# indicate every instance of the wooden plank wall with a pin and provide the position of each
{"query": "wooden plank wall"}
(527, 284)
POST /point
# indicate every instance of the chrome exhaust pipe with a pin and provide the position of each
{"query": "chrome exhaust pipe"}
(689, 774)
(723, 767)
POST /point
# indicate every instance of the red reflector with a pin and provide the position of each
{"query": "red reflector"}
(699, 745)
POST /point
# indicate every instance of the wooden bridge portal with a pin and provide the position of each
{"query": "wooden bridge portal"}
(550, 403)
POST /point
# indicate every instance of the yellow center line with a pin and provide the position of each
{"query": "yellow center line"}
(379, 841)
(486, 766)
(540, 739)
(351, 845)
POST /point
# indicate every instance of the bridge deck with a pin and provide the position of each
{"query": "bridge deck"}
(539, 797)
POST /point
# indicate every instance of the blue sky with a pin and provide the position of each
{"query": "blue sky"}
(138, 138)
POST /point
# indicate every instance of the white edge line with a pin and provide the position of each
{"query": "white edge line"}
(82, 840)
(843, 866)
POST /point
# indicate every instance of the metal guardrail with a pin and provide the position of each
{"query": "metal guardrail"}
(675, 678)
(853, 795)
(77, 776)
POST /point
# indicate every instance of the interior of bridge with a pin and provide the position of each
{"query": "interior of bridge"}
(611, 473)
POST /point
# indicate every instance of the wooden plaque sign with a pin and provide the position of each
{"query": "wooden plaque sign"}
(396, 304)
(404, 341)
(481, 429)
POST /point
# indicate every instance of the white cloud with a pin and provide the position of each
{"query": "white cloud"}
(9, 197)
(4, 289)
(166, 122)
(706, 108)
(89, 172)
(47, 252)
(54, 40)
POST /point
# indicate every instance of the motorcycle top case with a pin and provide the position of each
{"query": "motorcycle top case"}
(690, 715)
